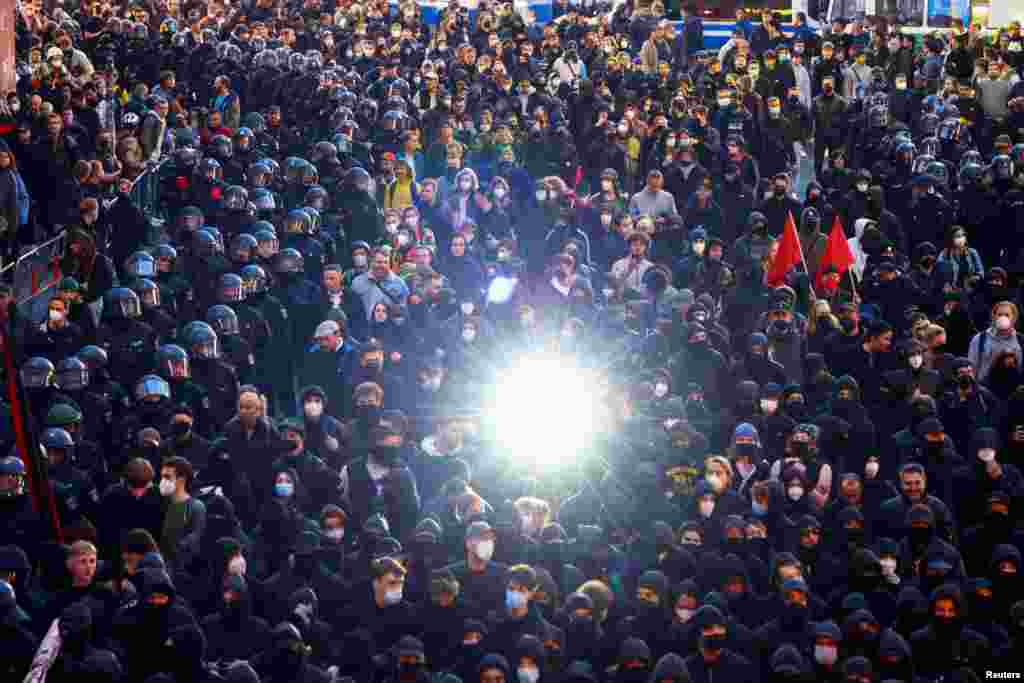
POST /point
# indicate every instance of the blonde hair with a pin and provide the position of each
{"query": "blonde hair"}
(80, 548)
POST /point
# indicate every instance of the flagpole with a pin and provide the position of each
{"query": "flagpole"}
(803, 261)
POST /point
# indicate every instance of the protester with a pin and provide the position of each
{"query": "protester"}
(767, 409)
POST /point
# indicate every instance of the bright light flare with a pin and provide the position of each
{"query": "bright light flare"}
(544, 411)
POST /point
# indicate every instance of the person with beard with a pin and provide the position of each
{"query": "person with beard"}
(233, 631)
(713, 658)
(947, 642)
(913, 483)
(145, 624)
(791, 626)
(286, 659)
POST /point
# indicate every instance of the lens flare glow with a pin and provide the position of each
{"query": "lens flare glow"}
(544, 411)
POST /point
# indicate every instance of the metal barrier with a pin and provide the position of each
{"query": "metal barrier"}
(145, 193)
(36, 272)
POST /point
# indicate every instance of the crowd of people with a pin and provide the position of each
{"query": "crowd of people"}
(264, 404)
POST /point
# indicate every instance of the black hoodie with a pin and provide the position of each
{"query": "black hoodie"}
(947, 644)
(233, 632)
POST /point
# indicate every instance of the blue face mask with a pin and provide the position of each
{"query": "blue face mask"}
(284, 490)
(758, 509)
(515, 600)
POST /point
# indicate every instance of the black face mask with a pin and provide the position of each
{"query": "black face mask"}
(369, 415)
(713, 642)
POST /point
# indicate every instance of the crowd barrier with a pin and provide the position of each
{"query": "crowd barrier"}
(36, 272)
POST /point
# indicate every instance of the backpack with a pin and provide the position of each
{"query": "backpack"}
(22, 198)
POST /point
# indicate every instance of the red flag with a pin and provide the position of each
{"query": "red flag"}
(788, 255)
(837, 254)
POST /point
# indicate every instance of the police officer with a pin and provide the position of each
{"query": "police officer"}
(72, 377)
(129, 342)
(173, 365)
(216, 376)
(206, 266)
(73, 488)
(153, 313)
(236, 347)
(176, 293)
(273, 360)
(298, 229)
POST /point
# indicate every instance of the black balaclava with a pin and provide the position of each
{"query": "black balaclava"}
(631, 651)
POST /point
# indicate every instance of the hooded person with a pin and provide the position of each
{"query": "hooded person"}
(671, 668)
(584, 636)
(651, 619)
(866, 577)
(286, 660)
(77, 653)
(895, 660)
(304, 613)
(984, 474)
(757, 364)
(786, 664)
(530, 659)
(714, 659)
(234, 632)
(998, 526)
(146, 623)
(730, 576)
(520, 617)
(947, 642)
(1004, 571)
(634, 662)
(861, 633)
(985, 614)
(791, 624)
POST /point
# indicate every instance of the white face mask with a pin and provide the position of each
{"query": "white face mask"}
(826, 654)
(685, 614)
(542, 195)
(167, 487)
(1003, 323)
(391, 227)
(987, 454)
(660, 389)
(393, 597)
(313, 409)
(467, 308)
(528, 675)
(795, 492)
(465, 185)
(335, 535)
(888, 566)
(499, 192)
(901, 85)
(623, 130)
(706, 507)
(698, 247)
(959, 242)
(915, 361)
(862, 187)
(56, 315)
(769, 406)
(485, 550)
(359, 260)
(871, 469)
(606, 219)
(469, 334)
(715, 482)
(237, 566)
